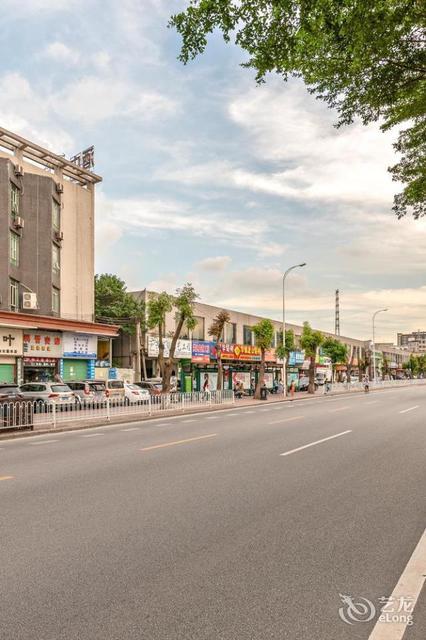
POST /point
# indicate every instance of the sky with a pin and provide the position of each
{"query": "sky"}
(209, 178)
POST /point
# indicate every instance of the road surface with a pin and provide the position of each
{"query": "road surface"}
(198, 527)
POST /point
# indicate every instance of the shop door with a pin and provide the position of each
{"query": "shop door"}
(75, 370)
(7, 373)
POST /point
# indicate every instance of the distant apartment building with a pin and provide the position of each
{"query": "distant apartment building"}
(415, 341)
(46, 264)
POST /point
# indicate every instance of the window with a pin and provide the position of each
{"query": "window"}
(247, 335)
(230, 332)
(55, 259)
(13, 295)
(14, 200)
(56, 216)
(14, 248)
(55, 300)
(198, 332)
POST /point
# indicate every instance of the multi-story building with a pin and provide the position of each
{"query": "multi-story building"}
(415, 341)
(241, 357)
(46, 264)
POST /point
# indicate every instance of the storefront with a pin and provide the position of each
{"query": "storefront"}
(42, 356)
(10, 354)
(182, 355)
(79, 356)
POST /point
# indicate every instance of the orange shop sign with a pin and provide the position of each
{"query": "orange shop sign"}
(244, 353)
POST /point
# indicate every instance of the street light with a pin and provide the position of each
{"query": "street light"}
(374, 342)
(295, 266)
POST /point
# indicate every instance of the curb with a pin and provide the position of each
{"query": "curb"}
(124, 419)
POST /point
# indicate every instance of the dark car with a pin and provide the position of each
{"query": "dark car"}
(16, 410)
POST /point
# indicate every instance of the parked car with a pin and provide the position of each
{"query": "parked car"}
(153, 385)
(48, 393)
(114, 389)
(89, 391)
(133, 394)
(15, 410)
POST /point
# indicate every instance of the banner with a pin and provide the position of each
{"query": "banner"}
(295, 358)
(40, 343)
(245, 353)
(10, 342)
(80, 345)
(183, 349)
(203, 351)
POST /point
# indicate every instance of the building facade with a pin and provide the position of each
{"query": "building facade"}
(47, 327)
(47, 232)
(416, 341)
(196, 353)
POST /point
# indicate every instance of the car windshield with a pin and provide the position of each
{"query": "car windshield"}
(133, 386)
(60, 388)
(97, 387)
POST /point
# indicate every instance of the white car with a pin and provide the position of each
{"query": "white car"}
(133, 394)
(48, 393)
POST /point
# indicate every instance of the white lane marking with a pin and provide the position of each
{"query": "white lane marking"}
(33, 444)
(372, 402)
(409, 586)
(247, 412)
(312, 444)
(410, 409)
(131, 429)
(186, 421)
(93, 435)
(339, 409)
(212, 417)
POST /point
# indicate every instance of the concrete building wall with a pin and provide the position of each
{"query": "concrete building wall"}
(75, 281)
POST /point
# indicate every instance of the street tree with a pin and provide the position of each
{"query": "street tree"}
(183, 302)
(335, 350)
(311, 341)
(113, 303)
(216, 331)
(290, 345)
(159, 305)
(364, 58)
(264, 337)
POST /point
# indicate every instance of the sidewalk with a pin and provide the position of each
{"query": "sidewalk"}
(245, 402)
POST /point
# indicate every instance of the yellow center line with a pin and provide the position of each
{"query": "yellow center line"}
(286, 419)
(6, 478)
(171, 444)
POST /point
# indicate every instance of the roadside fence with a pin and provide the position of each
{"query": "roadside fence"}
(39, 415)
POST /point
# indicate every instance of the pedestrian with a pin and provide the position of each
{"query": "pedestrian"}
(206, 383)
(173, 382)
(292, 389)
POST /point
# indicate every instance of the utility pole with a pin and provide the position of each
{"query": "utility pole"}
(138, 350)
(337, 314)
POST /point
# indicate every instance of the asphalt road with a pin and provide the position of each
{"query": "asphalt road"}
(196, 527)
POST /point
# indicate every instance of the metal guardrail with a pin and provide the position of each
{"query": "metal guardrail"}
(30, 415)
(345, 387)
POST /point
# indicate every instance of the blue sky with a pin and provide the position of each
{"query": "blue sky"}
(208, 177)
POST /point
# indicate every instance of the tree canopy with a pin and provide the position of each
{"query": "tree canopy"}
(335, 350)
(365, 58)
(114, 303)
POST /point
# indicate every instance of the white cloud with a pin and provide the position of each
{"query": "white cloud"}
(60, 52)
(216, 263)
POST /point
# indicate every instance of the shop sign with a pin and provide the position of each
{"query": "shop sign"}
(295, 358)
(203, 351)
(40, 343)
(40, 362)
(183, 348)
(10, 342)
(102, 364)
(245, 353)
(79, 345)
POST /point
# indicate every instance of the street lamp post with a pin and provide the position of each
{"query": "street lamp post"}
(295, 266)
(374, 342)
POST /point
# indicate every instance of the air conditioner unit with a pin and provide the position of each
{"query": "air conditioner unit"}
(59, 236)
(59, 187)
(29, 300)
(18, 222)
(19, 170)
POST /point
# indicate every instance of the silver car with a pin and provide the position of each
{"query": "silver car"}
(56, 393)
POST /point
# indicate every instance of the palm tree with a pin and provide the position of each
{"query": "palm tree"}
(216, 331)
